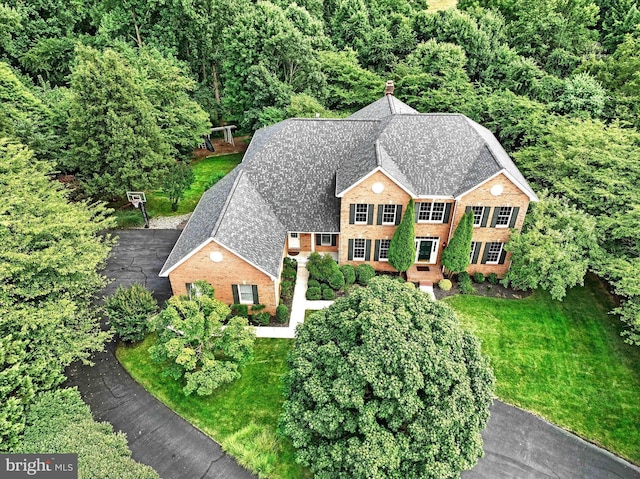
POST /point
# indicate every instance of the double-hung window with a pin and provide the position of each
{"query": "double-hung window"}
(494, 250)
(325, 240)
(245, 293)
(478, 213)
(431, 212)
(503, 217)
(389, 214)
(359, 249)
(361, 214)
(383, 250)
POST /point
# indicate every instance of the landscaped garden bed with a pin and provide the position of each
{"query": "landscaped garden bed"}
(328, 281)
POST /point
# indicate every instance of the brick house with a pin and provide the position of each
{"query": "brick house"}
(341, 185)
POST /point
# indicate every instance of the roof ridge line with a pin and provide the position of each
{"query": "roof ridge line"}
(224, 208)
(377, 147)
(391, 105)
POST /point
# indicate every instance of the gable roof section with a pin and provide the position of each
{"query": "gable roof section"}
(295, 170)
(202, 221)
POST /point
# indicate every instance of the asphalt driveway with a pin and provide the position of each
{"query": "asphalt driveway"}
(518, 445)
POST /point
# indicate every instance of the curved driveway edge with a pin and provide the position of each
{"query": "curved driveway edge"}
(517, 444)
(156, 435)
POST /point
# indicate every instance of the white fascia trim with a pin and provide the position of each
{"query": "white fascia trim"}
(245, 259)
(372, 172)
(434, 197)
(315, 232)
(509, 177)
(194, 251)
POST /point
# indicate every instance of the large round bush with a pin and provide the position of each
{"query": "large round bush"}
(385, 384)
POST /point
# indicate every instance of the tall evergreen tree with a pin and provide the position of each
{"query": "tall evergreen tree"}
(402, 250)
(455, 257)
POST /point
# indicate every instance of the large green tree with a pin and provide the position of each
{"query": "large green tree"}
(51, 253)
(385, 384)
(116, 144)
(456, 256)
(554, 249)
(402, 250)
(196, 344)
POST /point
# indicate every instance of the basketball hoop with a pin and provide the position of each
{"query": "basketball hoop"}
(138, 199)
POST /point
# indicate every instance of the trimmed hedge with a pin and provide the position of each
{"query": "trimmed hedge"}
(312, 283)
(349, 274)
(478, 277)
(444, 284)
(365, 273)
(328, 294)
(282, 313)
(337, 281)
(313, 294)
(493, 278)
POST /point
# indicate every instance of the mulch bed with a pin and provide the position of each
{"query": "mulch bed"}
(484, 289)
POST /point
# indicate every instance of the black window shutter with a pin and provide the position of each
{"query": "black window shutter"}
(514, 217)
(352, 214)
(236, 296)
(503, 255)
(447, 213)
(350, 253)
(376, 251)
(494, 219)
(485, 216)
(476, 253)
(255, 294)
(467, 209)
(486, 253)
(380, 209)
(370, 214)
(334, 239)
(417, 211)
(367, 254)
(318, 239)
(398, 214)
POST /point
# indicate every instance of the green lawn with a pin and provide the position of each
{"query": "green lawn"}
(241, 416)
(564, 361)
(158, 203)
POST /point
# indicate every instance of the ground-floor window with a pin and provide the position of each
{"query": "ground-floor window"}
(245, 293)
(359, 249)
(325, 240)
(493, 252)
(383, 250)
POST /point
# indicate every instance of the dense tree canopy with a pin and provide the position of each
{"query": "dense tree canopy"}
(51, 252)
(385, 384)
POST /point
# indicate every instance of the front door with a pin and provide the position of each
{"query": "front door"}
(426, 250)
(294, 241)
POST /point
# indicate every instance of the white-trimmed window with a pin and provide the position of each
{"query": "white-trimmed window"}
(431, 212)
(474, 248)
(325, 240)
(503, 217)
(293, 235)
(478, 213)
(383, 250)
(389, 214)
(245, 293)
(361, 214)
(193, 291)
(494, 250)
(359, 249)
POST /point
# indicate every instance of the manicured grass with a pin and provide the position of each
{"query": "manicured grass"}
(564, 361)
(158, 203)
(441, 4)
(241, 416)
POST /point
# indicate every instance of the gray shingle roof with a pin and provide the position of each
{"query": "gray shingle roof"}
(292, 172)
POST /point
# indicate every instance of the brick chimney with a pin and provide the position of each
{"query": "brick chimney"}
(388, 89)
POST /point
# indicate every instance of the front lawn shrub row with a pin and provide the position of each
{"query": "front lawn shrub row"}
(313, 293)
(241, 310)
(349, 273)
(493, 278)
(282, 313)
(287, 288)
(478, 277)
(464, 283)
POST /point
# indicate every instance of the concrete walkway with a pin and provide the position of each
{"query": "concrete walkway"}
(298, 307)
